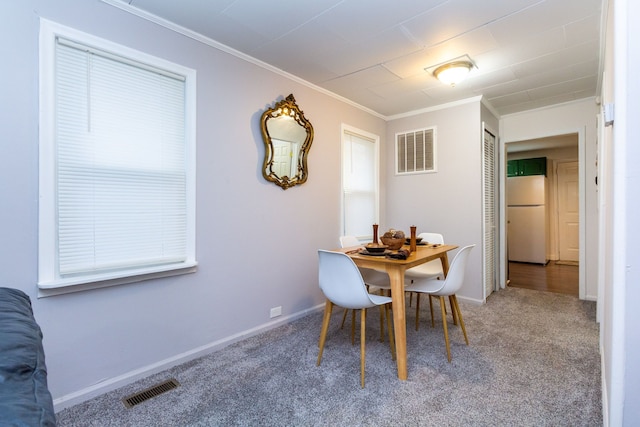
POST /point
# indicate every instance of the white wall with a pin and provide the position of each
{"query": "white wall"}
(620, 335)
(579, 117)
(256, 243)
(449, 201)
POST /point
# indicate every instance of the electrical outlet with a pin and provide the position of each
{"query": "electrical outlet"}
(276, 311)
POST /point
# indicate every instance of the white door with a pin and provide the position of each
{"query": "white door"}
(490, 211)
(282, 156)
(568, 211)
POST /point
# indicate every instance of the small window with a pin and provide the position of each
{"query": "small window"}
(117, 159)
(359, 183)
(416, 151)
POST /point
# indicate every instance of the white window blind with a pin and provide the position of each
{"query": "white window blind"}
(416, 151)
(359, 184)
(121, 178)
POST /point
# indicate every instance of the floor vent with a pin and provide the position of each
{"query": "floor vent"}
(149, 393)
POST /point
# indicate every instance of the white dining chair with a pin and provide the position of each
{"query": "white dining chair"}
(342, 284)
(431, 269)
(375, 281)
(447, 287)
(428, 270)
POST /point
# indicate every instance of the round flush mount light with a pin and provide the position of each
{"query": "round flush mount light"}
(453, 72)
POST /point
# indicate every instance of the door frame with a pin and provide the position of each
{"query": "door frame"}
(502, 233)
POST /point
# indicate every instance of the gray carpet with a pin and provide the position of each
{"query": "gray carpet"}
(532, 361)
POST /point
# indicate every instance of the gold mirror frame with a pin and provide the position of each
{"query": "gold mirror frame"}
(287, 134)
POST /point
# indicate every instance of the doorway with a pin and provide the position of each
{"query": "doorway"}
(562, 273)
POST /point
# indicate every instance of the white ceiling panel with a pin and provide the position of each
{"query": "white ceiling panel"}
(375, 76)
(510, 99)
(273, 22)
(404, 87)
(587, 29)
(457, 17)
(378, 50)
(529, 53)
(359, 20)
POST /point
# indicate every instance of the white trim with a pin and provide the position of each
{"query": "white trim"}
(616, 319)
(582, 214)
(469, 300)
(435, 108)
(484, 101)
(549, 107)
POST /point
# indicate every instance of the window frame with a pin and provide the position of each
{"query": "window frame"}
(347, 129)
(50, 282)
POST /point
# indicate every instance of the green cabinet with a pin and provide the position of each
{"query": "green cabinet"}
(524, 167)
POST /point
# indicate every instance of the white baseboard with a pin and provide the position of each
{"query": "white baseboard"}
(110, 384)
(470, 300)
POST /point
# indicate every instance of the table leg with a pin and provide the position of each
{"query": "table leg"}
(396, 277)
(444, 259)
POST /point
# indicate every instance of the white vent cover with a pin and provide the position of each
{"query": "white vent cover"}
(416, 151)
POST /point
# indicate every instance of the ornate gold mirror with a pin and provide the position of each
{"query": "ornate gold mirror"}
(287, 136)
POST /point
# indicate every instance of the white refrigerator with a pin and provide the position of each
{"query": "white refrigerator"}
(527, 219)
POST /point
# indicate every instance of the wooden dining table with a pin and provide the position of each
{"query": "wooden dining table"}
(395, 268)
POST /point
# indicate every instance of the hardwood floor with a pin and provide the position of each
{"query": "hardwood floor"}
(561, 279)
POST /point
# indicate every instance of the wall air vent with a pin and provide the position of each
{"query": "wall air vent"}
(416, 151)
(149, 393)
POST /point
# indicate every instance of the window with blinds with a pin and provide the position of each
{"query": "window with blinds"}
(416, 151)
(117, 164)
(359, 183)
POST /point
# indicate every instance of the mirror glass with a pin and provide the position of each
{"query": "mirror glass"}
(287, 136)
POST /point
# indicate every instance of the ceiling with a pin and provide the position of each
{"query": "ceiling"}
(548, 143)
(528, 53)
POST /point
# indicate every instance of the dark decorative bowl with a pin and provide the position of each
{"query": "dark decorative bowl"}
(375, 248)
(408, 240)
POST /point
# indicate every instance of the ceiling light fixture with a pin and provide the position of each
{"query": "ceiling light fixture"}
(453, 73)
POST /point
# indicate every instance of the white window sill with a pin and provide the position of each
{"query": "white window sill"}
(66, 286)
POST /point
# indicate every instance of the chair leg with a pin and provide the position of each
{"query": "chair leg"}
(417, 310)
(431, 308)
(392, 341)
(363, 317)
(454, 299)
(353, 327)
(344, 317)
(325, 327)
(444, 326)
(381, 319)
(453, 311)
